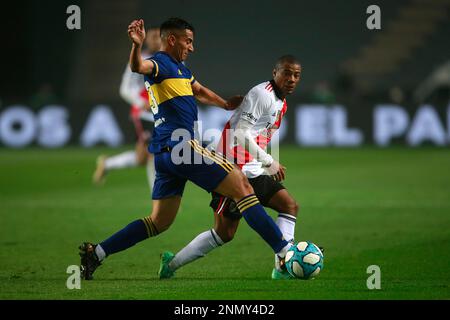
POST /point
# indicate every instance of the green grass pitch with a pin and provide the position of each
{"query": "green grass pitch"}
(368, 206)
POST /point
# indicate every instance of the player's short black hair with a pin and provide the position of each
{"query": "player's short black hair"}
(173, 24)
(288, 58)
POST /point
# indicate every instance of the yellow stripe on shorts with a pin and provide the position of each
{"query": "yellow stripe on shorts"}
(217, 157)
(225, 164)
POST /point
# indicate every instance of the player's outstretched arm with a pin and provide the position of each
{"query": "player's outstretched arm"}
(245, 140)
(207, 96)
(136, 33)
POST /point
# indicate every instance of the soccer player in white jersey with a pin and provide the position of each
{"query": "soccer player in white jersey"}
(243, 141)
(133, 91)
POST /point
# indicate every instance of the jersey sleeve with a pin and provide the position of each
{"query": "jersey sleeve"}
(160, 67)
(254, 105)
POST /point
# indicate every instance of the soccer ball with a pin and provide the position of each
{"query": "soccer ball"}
(304, 260)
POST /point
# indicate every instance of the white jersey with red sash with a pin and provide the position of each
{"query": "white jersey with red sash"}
(264, 110)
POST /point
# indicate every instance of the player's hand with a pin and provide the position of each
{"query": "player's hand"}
(144, 136)
(147, 107)
(273, 168)
(234, 102)
(276, 170)
(281, 174)
(136, 32)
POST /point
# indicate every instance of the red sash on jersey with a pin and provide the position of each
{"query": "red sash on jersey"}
(238, 154)
(135, 113)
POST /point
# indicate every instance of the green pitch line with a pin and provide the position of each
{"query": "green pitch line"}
(369, 206)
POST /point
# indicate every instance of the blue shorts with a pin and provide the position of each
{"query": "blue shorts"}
(188, 161)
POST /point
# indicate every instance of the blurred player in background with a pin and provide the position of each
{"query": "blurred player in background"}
(173, 89)
(253, 125)
(133, 91)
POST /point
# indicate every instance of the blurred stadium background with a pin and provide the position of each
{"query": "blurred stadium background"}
(360, 88)
(349, 71)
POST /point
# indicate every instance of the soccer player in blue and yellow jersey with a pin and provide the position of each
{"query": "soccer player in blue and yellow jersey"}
(172, 92)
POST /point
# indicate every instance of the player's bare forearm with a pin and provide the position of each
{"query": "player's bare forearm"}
(207, 96)
(136, 33)
(137, 64)
(147, 106)
(135, 58)
(202, 100)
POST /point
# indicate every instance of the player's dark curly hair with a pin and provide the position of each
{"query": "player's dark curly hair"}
(173, 24)
(288, 58)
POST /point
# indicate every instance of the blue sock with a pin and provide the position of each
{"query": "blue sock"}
(261, 222)
(133, 233)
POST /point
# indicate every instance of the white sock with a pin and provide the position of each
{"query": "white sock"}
(197, 248)
(286, 223)
(150, 173)
(101, 255)
(122, 160)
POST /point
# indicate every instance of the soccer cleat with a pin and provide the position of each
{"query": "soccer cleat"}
(164, 270)
(282, 263)
(281, 275)
(89, 260)
(100, 171)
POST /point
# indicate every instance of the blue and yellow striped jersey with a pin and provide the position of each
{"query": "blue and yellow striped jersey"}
(171, 99)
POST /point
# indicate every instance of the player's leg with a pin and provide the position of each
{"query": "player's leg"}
(273, 194)
(214, 173)
(150, 170)
(146, 126)
(237, 187)
(144, 158)
(165, 208)
(163, 214)
(141, 151)
(287, 209)
(167, 197)
(143, 133)
(132, 158)
(105, 164)
(225, 226)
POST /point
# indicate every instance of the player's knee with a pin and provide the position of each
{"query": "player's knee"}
(141, 158)
(162, 228)
(248, 189)
(244, 187)
(226, 234)
(141, 161)
(160, 225)
(291, 207)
